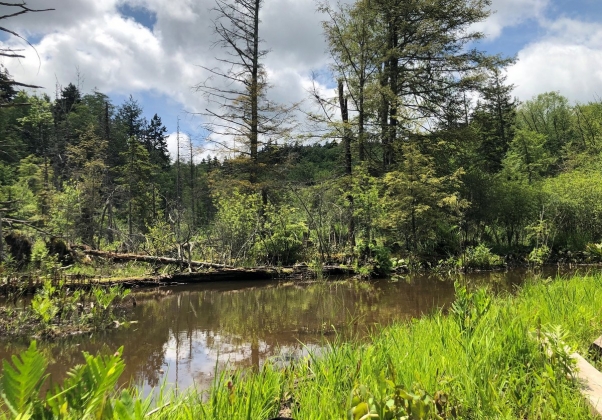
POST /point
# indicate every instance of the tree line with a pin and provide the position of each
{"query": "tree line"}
(421, 150)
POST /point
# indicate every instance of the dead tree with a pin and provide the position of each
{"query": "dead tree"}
(239, 115)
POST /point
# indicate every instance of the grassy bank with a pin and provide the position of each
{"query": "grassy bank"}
(484, 359)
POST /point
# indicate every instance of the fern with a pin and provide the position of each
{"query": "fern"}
(87, 390)
(21, 381)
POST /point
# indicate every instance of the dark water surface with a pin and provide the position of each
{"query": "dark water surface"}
(183, 332)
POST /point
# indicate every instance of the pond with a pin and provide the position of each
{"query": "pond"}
(184, 333)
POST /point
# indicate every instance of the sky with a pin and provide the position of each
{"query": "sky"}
(154, 50)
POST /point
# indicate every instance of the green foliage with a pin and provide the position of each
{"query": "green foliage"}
(574, 206)
(43, 305)
(393, 402)
(594, 251)
(56, 310)
(89, 392)
(281, 240)
(548, 115)
(236, 225)
(491, 357)
(528, 158)
(515, 206)
(160, 238)
(539, 255)
(415, 198)
(470, 307)
(368, 208)
(21, 382)
(479, 257)
(373, 259)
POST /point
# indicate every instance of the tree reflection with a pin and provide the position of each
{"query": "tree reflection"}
(183, 333)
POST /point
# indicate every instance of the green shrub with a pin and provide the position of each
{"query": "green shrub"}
(373, 259)
(479, 258)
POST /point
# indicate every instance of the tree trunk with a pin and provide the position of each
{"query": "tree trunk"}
(254, 132)
(348, 166)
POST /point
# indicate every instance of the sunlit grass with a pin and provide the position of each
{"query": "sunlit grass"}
(111, 271)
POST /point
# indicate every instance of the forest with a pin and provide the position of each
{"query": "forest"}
(420, 152)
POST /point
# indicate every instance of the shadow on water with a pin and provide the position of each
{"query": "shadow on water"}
(183, 332)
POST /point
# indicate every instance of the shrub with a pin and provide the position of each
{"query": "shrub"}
(479, 258)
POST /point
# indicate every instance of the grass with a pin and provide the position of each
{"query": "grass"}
(112, 270)
(500, 357)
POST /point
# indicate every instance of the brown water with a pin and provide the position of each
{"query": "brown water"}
(183, 333)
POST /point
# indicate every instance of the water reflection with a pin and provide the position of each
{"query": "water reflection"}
(185, 333)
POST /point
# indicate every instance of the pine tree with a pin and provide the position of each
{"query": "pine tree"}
(155, 142)
(494, 118)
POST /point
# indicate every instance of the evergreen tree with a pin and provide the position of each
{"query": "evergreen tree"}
(155, 142)
(88, 164)
(134, 176)
(423, 59)
(494, 118)
(7, 91)
(64, 130)
(240, 109)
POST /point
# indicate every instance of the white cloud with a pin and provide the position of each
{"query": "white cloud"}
(509, 13)
(117, 55)
(198, 152)
(567, 59)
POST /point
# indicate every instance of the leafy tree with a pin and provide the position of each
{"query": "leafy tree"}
(573, 203)
(550, 115)
(415, 198)
(528, 157)
(516, 206)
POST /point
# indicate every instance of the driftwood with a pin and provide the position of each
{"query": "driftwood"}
(120, 257)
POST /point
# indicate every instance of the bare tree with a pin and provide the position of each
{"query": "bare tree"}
(239, 112)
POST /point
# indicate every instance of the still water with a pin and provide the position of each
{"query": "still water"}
(184, 333)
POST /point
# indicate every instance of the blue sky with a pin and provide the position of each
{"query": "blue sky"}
(153, 50)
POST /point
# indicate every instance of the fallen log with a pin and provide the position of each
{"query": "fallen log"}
(333, 270)
(121, 257)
